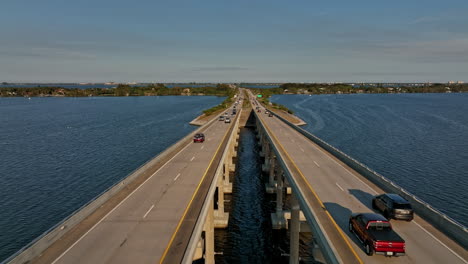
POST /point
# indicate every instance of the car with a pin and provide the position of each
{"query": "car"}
(267, 112)
(227, 120)
(394, 206)
(199, 137)
(270, 114)
(376, 234)
(221, 118)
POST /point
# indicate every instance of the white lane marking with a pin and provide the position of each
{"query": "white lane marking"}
(316, 164)
(192, 158)
(202, 147)
(375, 192)
(176, 177)
(92, 228)
(339, 186)
(149, 210)
(372, 190)
(302, 149)
(442, 243)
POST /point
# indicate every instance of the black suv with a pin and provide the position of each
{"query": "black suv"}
(393, 206)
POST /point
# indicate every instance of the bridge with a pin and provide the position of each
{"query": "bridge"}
(168, 209)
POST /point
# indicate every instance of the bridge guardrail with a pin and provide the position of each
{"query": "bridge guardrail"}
(42, 242)
(326, 246)
(196, 234)
(447, 225)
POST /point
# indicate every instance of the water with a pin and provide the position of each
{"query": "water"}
(248, 236)
(418, 141)
(56, 154)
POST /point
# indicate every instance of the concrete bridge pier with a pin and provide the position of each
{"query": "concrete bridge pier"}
(221, 217)
(278, 220)
(270, 186)
(228, 167)
(268, 156)
(294, 231)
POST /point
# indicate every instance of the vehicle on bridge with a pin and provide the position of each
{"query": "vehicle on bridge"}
(199, 137)
(376, 234)
(393, 206)
(227, 120)
(221, 118)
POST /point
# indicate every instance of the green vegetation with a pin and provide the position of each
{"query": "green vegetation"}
(246, 101)
(325, 88)
(320, 88)
(120, 90)
(230, 92)
(265, 99)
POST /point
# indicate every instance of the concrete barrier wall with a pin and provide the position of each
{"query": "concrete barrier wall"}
(450, 227)
(38, 245)
(197, 231)
(329, 252)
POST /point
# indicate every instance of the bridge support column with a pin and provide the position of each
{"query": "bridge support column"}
(262, 143)
(209, 237)
(294, 231)
(277, 218)
(226, 173)
(268, 155)
(221, 218)
(270, 186)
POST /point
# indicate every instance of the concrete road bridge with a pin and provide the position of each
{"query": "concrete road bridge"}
(168, 209)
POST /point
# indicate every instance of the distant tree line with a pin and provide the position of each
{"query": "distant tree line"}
(230, 92)
(318, 88)
(120, 90)
(325, 88)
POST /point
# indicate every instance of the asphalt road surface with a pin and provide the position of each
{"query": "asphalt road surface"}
(343, 192)
(141, 226)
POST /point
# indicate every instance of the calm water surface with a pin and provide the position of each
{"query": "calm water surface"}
(58, 153)
(419, 141)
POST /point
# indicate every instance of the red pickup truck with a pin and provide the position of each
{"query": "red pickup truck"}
(377, 235)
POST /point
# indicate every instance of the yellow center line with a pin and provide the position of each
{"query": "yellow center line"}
(313, 192)
(191, 200)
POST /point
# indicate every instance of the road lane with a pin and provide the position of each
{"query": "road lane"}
(138, 230)
(324, 173)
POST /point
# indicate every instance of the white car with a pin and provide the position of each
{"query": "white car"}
(227, 120)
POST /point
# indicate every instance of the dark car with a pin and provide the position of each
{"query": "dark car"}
(376, 234)
(393, 206)
(199, 137)
(270, 114)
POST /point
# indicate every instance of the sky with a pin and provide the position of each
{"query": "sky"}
(233, 41)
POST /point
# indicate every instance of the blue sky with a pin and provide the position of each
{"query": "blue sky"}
(233, 41)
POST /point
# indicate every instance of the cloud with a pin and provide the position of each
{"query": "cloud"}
(46, 52)
(221, 68)
(425, 19)
(454, 50)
